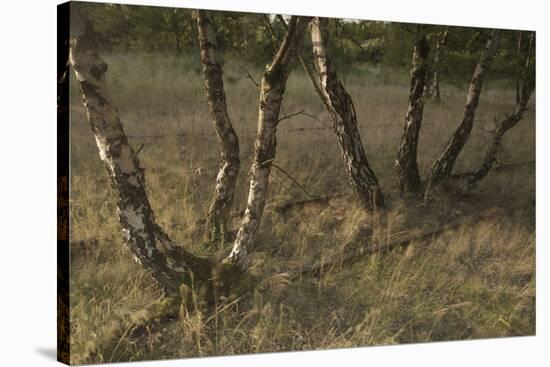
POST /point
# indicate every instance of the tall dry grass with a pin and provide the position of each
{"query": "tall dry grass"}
(475, 281)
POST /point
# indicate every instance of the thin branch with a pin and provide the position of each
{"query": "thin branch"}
(304, 113)
(282, 20)
(272, 32)
(140, 148)
(317, 119)
(270, 161)
(248, 76)
(295, 182)
(291, 115)
(406, 29)
(349, 36)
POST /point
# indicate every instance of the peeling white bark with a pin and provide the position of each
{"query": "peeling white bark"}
(526, 86)
(407, 168)
(169, 264)
(219, 212)
(271, 95)
(444, 165)
(340, 106)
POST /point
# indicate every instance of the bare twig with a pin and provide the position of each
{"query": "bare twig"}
(282, 20)
(291, 115)
(294, 180)
(407, 29)
(304, 113)
(350, 37)
(272, 32)
(248, 76)
(140, 148)
(326, 126)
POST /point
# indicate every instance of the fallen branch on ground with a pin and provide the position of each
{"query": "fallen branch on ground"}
(358, 248)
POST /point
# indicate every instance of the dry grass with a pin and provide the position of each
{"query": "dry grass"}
(475, 281)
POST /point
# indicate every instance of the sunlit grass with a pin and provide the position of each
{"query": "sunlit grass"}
(475, 281)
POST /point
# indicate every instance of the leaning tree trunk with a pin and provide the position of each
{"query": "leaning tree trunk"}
(441, 42)
(407, 168)
(526, 82)
(271, 96)
(219, 211)
(340, 106)
(444, 165)
(169, 264)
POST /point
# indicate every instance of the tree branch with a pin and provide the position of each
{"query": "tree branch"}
(248, 76)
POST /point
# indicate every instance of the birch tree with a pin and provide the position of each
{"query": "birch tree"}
(441, 42)
(340, 106)
(444, 165)
(526, 86)
(518, 66)
(406, 162)
(169, 263)
(219, 211)
(272, 89)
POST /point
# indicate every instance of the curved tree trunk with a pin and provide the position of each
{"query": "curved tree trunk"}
(271, 95)
(526, 82)
(219, 211)
(407, 168)
(442, 41)
(444, 165)
(340, 106)
(169, 264)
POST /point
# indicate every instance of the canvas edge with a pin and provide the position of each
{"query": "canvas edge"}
(63, 307)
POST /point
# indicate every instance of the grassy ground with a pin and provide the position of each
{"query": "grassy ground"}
(474, 281)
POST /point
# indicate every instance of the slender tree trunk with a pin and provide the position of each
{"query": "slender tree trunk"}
(444, 165)
(428, 82)
(441, 41)
(219, 212)
(178, 43)
(526, 81)
(271, 95)
(518, 65)
(340, 106)
(407, 168)
(169, 264)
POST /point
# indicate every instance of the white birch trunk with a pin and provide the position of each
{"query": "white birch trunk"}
(169, 264)
(271, 95)
(219, 212)
(406, 164)
(444, 165)
(526, 86)
(340, 106)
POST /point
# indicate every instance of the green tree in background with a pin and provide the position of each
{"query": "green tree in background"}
(382, 47)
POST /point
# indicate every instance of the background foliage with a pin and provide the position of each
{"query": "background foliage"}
(382, 46)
